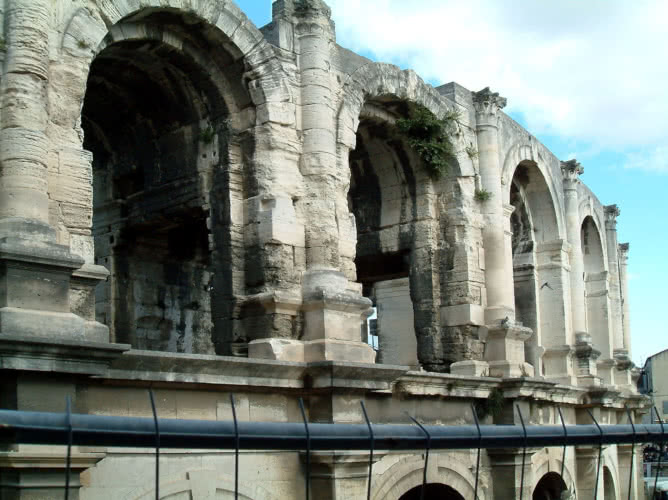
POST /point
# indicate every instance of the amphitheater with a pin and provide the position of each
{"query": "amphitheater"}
(196, 205)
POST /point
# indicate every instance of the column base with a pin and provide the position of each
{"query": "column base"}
(311, 350)
(504, 349)
(558, 362)
(36, 278)
(470, 368)
(333, 316)
(586, 357)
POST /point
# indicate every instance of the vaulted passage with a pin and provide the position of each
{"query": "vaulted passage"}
(432, 491)
(535, 238)
(154, 120)
(388, 192)
(550, 487)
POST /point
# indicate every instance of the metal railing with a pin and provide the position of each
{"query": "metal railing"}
(22, 427)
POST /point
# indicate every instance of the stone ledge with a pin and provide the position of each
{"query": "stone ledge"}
(156, 366)
(39, 459)
(417, 383)
(541, 389)
(18, 352)
(331, 374)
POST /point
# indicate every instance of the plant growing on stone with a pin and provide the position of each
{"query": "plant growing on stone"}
(471, 151)
(429, 137)
(482, 195)
(493, 405)
(3, 45)
(82, 44)
(206, 135)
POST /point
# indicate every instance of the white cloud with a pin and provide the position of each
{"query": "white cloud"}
(591, 70)
(653, 160)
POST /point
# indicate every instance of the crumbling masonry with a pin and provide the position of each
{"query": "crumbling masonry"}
(196, 204)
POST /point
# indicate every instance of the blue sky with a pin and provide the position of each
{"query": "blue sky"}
(585, 77)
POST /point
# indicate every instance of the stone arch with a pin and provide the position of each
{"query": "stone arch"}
(89, 31)
(244, 83)
(381, 175)
(549, 487)
(610, 487)
(586, 209)
(538, 245)
(374, 80)
(527, 153)
(551, 464)
(597, 301)
(157, 107)
(407, 474)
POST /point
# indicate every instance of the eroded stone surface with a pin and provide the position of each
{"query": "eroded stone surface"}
(248, 193)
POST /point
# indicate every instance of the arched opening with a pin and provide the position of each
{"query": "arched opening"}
(432, 491)
(533, 224)
(596, 295)
(550, 487)
(155, 119)
(391, 265)
(609, 492)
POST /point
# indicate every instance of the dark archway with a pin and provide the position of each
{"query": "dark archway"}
(550, 487)
(609, 492)
(155, 119)
(393, 266)
(433, 491)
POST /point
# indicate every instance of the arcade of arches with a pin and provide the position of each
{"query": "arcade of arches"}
(192, 203)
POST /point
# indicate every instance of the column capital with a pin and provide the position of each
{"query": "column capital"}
(623, 251)
(571, 171)
(487, 106)
(611, 214)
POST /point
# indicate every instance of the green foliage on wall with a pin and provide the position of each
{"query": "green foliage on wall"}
(429, 137)
(482, 195)
(493, 405)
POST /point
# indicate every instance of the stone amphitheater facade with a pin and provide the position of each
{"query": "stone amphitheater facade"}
(194, 204)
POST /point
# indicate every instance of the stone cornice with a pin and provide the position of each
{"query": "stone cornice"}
(18, 352)
(487, 106)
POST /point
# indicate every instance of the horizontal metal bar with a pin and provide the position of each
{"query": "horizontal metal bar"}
(96, 430)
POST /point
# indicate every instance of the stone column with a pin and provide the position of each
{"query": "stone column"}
(624, 284)
(504, 349)
(586, 354)
(35, 271)
(571, 171)
(24, 202)
(611, 214)
(500, 296)
(333, 307)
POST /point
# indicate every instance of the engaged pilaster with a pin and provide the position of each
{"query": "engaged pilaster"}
(611, 214)
(571, 171)
(624, 284)
(504, 349)
(498, 275)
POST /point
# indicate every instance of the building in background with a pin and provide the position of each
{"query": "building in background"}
(194, 204)
(653, 381)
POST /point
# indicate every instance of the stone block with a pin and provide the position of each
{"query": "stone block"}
(470, 368)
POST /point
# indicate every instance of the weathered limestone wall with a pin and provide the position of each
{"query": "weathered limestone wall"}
(178, 186)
